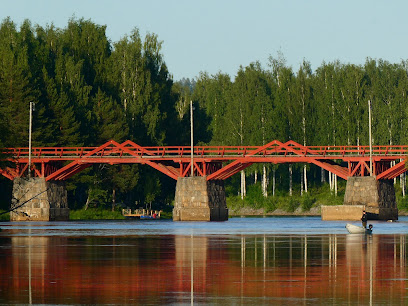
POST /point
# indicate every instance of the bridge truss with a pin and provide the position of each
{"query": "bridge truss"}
(213, 162)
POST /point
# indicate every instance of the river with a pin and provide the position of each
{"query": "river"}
(244, 261)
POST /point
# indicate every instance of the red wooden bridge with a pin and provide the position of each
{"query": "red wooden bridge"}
(214, 162)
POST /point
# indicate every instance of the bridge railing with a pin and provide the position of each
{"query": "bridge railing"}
(66, 153)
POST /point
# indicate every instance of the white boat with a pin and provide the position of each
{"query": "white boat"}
(355, 229)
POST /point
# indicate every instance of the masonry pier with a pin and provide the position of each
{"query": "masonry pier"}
(376, 197)
(200, 200)
(40, 200)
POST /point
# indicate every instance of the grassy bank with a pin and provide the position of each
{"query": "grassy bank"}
(4, 216)
(254, 203)
(285, 203)
(95, 214)
(106, 214)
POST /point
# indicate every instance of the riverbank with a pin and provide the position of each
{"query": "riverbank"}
(248, 211)
(101, 214)
(254, 204)
(314, 211)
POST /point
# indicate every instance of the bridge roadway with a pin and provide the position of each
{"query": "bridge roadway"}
(213, 162)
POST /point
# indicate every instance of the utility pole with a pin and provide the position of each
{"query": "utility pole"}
(32, 108)
(192, 138)
(369, 132)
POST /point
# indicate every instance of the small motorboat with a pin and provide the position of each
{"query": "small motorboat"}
(149, 217)
(355, 229)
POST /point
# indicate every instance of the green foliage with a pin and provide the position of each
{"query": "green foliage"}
(110, 119)
(254, 196)
(4, 216)
(319, 195)
(292, 204)
(88, 91)
(95, 214)
(402, 203)
(235, 202)
(307, 202)
(324, 196)
(97, 196)
(213, 94)
(270, 204)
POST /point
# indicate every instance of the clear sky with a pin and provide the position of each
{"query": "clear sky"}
(221, 35)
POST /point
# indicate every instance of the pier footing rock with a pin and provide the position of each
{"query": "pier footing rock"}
(376, 197)
(40, 200)
(200, 200)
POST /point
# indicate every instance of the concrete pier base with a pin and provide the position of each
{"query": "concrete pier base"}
(44, 201)
(376, 197)
(200, 200)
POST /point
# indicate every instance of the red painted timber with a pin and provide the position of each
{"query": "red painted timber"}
(214, 162)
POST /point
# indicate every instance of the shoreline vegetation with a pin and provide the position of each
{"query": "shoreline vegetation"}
(105, 214)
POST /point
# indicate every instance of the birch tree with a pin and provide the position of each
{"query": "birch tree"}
(303, 112)
(282, 77)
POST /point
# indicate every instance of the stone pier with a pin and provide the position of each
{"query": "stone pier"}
(376, 197)
(43, 201)
(200, 200)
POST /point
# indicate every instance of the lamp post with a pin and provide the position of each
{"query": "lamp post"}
(32, 108)
(369, 132)
(192, 138)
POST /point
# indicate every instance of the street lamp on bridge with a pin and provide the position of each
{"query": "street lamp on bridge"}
(192, 137)
(369, 132)
(32, 108)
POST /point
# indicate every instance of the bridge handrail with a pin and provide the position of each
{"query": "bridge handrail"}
(183, 151)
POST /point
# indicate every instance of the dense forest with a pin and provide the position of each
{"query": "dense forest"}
(88, 90)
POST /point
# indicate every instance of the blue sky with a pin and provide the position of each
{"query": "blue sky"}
(221, 35)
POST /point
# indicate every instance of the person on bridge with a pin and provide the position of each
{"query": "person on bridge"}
(364, 219)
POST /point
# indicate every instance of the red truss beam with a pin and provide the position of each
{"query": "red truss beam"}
(331, 166)
(394, 171)
(214, 162)
(8, 173)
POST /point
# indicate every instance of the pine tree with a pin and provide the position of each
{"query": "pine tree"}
(213, 94)
(110, 123)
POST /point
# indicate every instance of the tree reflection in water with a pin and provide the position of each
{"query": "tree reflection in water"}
(216, 269)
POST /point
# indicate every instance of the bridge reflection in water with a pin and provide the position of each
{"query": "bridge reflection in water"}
(232, 269)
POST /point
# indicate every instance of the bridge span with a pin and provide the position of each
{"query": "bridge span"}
(211, 165)
(212, 162)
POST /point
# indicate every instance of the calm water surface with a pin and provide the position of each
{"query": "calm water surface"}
(278, 261)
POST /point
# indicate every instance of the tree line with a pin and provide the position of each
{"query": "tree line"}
(328, 106)
(88, 90)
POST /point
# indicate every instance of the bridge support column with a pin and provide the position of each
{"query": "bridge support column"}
(44, 201)
(200, 200)
(376, 197)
